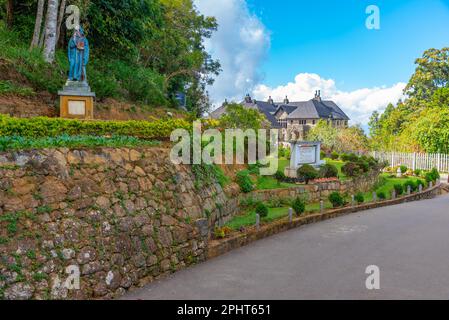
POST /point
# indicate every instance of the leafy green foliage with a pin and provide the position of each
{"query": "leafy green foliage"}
(238, 117)
(359, 198)
(299, 206)
(244, 181)
(399, 189)
(54, 127)
(335, 155)
(336, 199)
(65, 141)
(328, 171)
(412, 184)
(351, 169)
(381, 195)
(262, 210)
(307, 173)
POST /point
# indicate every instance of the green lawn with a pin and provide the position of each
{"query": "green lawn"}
(269, 182)
(249, 219)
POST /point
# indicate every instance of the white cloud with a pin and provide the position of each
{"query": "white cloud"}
(240, 44)
(358, 104)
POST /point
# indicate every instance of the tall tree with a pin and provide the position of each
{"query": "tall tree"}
(9, 13)
(60, 19)
(432, 72)
(50, 31)
(38, 24)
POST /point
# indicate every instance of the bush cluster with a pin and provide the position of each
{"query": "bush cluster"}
(244, 181)
(336, 199)
(299, 206)
(432, 176)
(355, 165)
(359, 198)
(262, 210)
(307, 173)
(328, 171)
(54, 127)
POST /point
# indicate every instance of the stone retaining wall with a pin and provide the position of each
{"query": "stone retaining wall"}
(118, 217)
(316, 192)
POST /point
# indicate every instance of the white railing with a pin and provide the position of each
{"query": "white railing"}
(421, 161)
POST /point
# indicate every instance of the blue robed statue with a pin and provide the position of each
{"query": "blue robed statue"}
(78, 53)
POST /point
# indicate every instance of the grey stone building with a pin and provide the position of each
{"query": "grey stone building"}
(294, 119)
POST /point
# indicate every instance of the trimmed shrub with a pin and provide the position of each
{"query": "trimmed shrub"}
(403, 169)
(381, 195)
(344, 157)
(351, 169)
(328, 171)
(417, 172)
(399, 189)
(359, 198)
(262, 210)
(420, 182)
(432, 176)
(336, 199)
(299, 206)
(353, 157)
(279, 176)
(307, 173)
(412, 184)
(55, 127)
(334, 155)
(363, 165)
(244, 181)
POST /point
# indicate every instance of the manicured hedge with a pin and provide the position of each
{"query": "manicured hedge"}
(54, 127)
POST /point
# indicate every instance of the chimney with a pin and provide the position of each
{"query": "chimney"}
(225, 103)
(270, 100)
(286, 101)
(248, 98)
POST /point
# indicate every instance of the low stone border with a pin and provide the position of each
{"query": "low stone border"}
(219, 247)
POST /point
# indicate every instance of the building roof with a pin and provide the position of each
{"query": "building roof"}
(316, 109)
(312, 109)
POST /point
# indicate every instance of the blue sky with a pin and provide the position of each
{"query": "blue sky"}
(329, 37)
(294, 47)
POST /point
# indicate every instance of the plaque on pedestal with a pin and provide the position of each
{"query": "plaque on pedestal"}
(76, 101)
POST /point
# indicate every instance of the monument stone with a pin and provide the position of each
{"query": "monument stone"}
(303, 153)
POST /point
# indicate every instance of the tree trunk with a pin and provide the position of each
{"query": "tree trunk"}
(50, 31)
(9, 13)
(38, 24)
(42, 32)
(60, 19)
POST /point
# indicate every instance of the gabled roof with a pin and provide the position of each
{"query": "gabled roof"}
(288, 108)
(317, 109)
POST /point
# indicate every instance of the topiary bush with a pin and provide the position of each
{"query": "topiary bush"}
(262, 210)
(399, 189)
(336, 199)
(328, 171)
(334, 155)
(244, 181)
(403, 169)
(359, 198)
(344, 157)
(299, 206)
(381, 195)
(307, 173)
(412, 184)
(279, 176)
(351, 169)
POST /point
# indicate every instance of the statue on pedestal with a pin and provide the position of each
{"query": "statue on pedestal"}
(76, 98)
(78, 54)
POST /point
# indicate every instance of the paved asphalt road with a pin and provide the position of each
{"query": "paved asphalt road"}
(327, 260)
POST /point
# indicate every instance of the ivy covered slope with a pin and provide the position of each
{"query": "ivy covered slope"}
(143, 52)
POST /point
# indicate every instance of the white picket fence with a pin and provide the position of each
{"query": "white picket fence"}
(422, 161)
